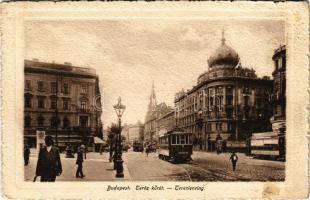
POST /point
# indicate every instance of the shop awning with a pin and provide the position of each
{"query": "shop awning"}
(98, 141)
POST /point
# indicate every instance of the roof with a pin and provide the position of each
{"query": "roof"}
(264, 135)
(224, 55)
(35, 66)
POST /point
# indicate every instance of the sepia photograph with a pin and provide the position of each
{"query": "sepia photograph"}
(205, 102)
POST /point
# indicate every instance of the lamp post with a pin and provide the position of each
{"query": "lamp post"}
(200, 125)
(119, 109)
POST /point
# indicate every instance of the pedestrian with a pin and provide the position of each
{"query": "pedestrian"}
(147, 151)
(111, 151)
(234, 159)
(79, 162)
(26, 155)
(49, 163)
(100, 149)
(84, 149)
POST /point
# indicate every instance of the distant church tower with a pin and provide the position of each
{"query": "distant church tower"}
(153, 102)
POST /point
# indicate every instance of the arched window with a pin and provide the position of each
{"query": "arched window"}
(27, 121)
(66, 123)
(40, 120)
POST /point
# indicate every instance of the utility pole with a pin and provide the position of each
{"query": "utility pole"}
(236, 104)
(56, 112)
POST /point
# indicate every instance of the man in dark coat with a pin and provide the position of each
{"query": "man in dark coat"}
(79, 162)
(234, 159)
(49, 164)
(26, 155)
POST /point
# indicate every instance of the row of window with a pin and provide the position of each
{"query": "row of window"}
(219, 105)
(192, 118)
(218, 126)
(218, 101)
(229, 114)
(54, 121)
(42, 87)
(176, 139)
(41, 102)
(217, 91)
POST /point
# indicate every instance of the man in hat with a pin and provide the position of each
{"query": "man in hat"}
(26, 154)
(79, 162)
(234, 159)
(49, 164)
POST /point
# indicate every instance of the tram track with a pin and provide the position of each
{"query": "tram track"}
(197, 173)
(194, 172)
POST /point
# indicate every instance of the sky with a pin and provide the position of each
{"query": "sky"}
(128, 55)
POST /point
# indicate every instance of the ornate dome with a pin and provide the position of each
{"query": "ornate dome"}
(224, 55)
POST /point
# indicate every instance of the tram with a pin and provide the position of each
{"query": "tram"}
(268, 145)
(175, 146)
(137, 146)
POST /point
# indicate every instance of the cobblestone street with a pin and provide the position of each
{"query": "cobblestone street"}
(140, 167)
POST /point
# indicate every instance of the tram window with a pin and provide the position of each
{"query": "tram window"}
(182, 139)
(178, 139)
(173, 139)
(190, 139)
(186, 139)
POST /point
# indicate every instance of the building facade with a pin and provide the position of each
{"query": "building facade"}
(278, 97)
(228, 103)
(133, 132)
(62, 100)
(165, 122)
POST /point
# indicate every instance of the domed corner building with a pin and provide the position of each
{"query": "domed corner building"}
(227, 105)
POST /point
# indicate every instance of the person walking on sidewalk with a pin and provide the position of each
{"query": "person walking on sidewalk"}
(234, 159)
(26, 154)
(79, 162)
(111, 152)
(49, 164)
(147, 150)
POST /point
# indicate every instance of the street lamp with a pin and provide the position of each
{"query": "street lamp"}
(200, 125)
(118, 161)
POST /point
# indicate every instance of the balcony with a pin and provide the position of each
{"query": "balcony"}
(83, 110)
(81, 129)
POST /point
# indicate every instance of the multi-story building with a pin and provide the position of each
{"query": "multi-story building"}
(133, 132)
(279, 96)
(228, 103)
(165, 121)
(62, 100)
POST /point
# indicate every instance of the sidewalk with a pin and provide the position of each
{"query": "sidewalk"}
(96, 167)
